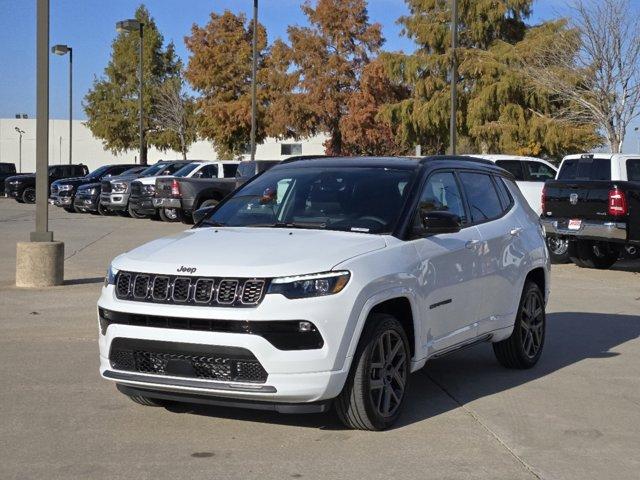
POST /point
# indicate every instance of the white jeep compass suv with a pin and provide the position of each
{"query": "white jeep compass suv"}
(328, 281)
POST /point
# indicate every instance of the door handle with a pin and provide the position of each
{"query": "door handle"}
(471, 243)
(515, 231)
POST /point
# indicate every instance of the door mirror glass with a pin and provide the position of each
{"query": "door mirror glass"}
(434, 223)
(201, 213)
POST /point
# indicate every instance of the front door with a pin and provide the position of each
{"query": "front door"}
(448, 270)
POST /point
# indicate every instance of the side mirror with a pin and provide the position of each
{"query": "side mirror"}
(434, 223)
(201, 213)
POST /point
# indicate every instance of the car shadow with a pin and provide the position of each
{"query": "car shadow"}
(84, 281)
(461, 377)
(627, 265)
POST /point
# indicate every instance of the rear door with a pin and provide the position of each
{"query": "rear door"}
(448, 274)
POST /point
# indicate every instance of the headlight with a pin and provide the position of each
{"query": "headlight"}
(65, 188)
(15, 182)
(110, 278)
(148, 189)
(119, 187)
(315, 285)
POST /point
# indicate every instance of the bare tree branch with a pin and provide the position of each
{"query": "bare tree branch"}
(173, 112)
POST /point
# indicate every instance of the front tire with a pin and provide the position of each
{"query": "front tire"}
(29, 195)
(374, 392)
(558, 249)
(134, 214)
(523, 348)
(592, 254)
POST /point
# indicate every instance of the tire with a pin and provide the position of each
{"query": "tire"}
(593, 254)
(362, 405)
(209, 203)
(134, 214)
(29, 195)
(169, 215)
(558, 249)
(518, 351)
(70, 209)
(103, 211)
(19, 200)
(147, 401)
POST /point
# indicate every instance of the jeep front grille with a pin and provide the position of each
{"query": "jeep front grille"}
(232, 364)
(203, 291)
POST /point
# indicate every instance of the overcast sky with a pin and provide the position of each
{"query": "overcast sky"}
(89, 27)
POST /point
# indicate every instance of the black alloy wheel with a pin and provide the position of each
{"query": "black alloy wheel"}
(29, 195)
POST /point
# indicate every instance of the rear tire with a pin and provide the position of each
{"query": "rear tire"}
(374, 391)
(209, 203)
(558, 249)
(523, 348)
(29, 195)
(134, 214)
(592, 254)
(169, 215)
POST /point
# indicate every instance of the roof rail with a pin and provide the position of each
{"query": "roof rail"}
(458, 158)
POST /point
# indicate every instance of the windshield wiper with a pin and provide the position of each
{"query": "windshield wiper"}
(288, 225)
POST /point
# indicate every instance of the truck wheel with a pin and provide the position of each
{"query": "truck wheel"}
(169, 214)
(146, 401)
(70, 209)
(29, 195)
(19, 200)
(103, 211)
(524, 347)
(592, 254)
(558, 249)
(134, 214)
(209, 203)
(373, 394)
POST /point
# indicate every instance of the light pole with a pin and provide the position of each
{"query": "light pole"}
(63, 50)
(133, 25)
(20, 133)
(637, 138)
(254, 69)
(454, 75)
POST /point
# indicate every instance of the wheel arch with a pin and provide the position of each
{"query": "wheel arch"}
(539, 277)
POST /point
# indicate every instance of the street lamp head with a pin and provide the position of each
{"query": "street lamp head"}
(18, 130)
(130, 25)
(60, 49)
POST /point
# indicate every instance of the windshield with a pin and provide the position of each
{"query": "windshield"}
(186, 170)
(153, 169)
(356, 199)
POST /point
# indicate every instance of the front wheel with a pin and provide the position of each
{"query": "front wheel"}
(134, 214)
(169, 214)
(558, 249)
(523, 348)
(374, 392)
(29, 195)
(593, 254)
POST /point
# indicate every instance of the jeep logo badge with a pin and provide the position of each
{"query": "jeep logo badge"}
(573, 199)
(184, 269)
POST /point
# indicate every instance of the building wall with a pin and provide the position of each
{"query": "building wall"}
(89, 150)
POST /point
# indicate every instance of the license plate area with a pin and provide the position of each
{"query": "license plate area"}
(574, 224)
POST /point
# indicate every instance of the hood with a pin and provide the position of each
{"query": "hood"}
(87, 186)
(248, 252)
(123, 178)
(75, 181)
(22, 176)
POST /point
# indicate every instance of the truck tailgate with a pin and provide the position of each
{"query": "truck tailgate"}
(587, 200)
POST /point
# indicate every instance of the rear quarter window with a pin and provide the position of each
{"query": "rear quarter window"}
(633, 170)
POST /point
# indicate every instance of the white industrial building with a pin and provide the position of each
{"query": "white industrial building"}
(89, 150)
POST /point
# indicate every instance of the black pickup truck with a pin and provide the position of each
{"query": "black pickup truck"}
(6, 170)
(23, 187)
(594, 206)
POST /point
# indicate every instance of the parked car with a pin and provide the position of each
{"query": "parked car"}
(185, 193)
(143, 189)
(328, 281)
(6, 170)
(530, 174)
(63, 192)
(87, 198)
(115, 194)
(23, 187)
(592, 210)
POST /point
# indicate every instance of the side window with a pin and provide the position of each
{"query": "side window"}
(514, 167)
(55, 172)
(173, 168)
(539, 172)
(440, 194)
(229, 170)
(503, 192)
(633, 170)
(208, 171)
(482, 196)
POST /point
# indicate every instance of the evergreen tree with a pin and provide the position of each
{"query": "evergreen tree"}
(111, 105)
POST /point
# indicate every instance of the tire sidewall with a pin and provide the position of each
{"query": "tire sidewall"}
(529, 362)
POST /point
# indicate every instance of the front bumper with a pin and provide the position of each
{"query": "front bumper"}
(114, 201)
(589, 229)
(142, 204)
(61, 201)
(293, 376)
(12, 191)
(86, 202)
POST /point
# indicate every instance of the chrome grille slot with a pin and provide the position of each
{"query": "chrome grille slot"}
(203, 292)
(181, 287)
(160, 288)
(252, 292)
(141, 286)
(123, 284)
(227, 291)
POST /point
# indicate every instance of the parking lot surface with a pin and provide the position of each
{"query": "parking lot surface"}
(576, 415)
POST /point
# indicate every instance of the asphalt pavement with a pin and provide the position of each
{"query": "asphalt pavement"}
(576, 415)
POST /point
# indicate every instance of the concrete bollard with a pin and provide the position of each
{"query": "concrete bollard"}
(39, 264)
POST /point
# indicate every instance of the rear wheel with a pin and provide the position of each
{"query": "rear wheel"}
(134, 214)
(524, 347)
(169, 215)
(374, 392)
(29, 195)
(593, 254)
(558, 249)
(209, 203)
